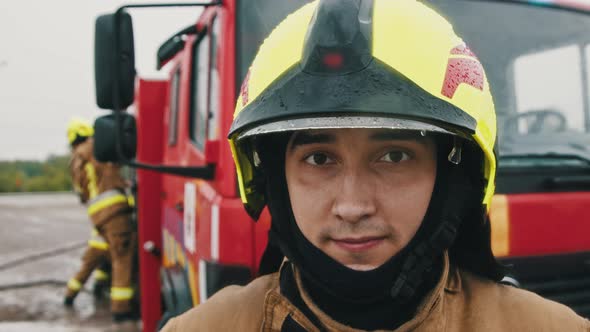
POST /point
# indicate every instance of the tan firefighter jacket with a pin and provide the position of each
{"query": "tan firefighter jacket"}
(460, 301)
(100, 184)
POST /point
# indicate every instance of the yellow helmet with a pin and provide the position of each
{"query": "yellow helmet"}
(78, 130)
(375, 64)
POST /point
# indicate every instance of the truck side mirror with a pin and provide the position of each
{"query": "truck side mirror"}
(105, 133)
(114, 61)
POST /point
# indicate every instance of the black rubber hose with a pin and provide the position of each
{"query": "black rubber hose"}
(50, 282)
(41, 255)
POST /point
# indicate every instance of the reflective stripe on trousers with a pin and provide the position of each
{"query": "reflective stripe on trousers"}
(100, 275)
(121, 293)
(97, 241)
(74, 284)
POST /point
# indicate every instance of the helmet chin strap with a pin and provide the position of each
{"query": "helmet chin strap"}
(422, 258)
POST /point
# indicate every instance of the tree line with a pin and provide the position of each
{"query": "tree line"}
(27, 176)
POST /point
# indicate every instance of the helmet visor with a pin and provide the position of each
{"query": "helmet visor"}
(342, 122)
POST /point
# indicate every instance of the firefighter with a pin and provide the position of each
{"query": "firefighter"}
(96, 256)
(367, 128)
(110, 210)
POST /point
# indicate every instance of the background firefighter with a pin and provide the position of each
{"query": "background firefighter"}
(96, 256)
(109, 209)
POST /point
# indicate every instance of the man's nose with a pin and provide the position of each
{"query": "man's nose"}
(355, 199)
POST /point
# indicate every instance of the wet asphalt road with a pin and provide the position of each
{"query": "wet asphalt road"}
(42, 238)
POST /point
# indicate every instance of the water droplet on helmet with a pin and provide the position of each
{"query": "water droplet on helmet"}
(256, 159)
(455, 154)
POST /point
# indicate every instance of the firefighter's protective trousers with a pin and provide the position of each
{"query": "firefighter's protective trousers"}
(95, 258)
(110, 213)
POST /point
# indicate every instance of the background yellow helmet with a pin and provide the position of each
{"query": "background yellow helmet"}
(362, 64)
(79, 130)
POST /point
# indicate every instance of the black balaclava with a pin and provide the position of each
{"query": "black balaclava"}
(379, 298)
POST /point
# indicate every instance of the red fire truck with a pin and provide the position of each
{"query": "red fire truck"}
(194, 234)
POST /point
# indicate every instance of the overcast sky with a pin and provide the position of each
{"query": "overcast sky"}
(47, 66)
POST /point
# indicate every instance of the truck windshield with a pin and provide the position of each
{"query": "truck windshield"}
(536, 60)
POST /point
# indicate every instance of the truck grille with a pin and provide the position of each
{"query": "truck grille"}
(561, 278)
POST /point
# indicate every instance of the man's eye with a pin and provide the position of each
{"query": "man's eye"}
(395, 156)
(318, 159)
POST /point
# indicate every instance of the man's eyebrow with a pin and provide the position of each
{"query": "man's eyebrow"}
(398, 135)
(303, 138)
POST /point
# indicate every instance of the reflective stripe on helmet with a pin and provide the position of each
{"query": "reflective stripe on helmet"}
(121, 293)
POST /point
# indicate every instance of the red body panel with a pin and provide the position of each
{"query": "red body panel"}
(227, 95)
(225, 234)
(149, 102)
(549, 223)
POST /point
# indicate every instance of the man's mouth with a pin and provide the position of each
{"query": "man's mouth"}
(358, 244)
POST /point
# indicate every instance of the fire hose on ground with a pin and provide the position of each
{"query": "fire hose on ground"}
(38, 256)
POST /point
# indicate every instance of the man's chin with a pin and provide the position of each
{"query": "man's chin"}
(361, 267)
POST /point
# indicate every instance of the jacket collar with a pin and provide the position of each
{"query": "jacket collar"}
(430, 316)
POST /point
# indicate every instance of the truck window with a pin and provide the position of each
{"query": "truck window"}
(212, 126)
(539, 78)
(199, 112)
(586, 81)
(549, 81)
(173, 120)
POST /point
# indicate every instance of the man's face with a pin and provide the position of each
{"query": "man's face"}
(359, 195)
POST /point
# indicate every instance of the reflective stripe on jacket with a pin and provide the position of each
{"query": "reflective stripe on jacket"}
(105, 200)
(92, 186)
(106, 207)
